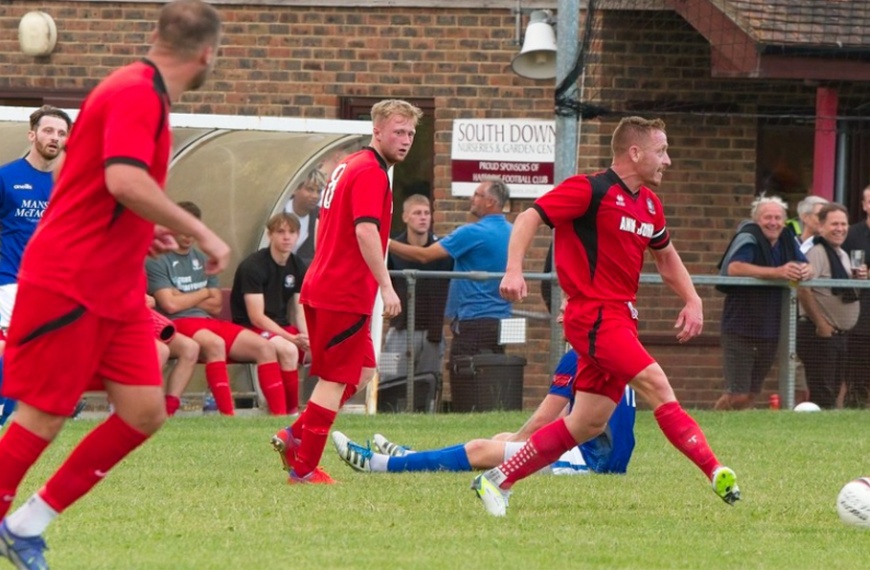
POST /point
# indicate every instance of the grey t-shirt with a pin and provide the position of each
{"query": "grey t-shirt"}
(185, 272)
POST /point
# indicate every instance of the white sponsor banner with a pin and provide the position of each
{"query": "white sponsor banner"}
(519, 151)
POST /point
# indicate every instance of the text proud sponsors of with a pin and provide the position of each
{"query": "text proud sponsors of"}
(519, 151)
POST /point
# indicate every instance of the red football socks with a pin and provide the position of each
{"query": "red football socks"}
(318, 421)
(19, 449)
(172, 404)
(543, 448)
(686, 435)
(298, 425)
(290, 380)
(90, 461)
(218, 379)
(269, 378)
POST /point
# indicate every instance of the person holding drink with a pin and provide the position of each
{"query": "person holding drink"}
(857, 258)
(826, 314)
(858, 339)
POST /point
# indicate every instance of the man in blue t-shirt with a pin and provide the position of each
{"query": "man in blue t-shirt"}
(25, 185)
(474, 308)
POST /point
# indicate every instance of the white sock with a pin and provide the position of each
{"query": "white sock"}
(378, 462)
(31, 518)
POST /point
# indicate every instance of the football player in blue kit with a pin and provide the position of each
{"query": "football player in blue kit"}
(610, 452)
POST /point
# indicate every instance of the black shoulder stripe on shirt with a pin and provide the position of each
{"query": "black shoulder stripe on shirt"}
(586, 226)
(367, 220)
(164, 110)
(380, 159)
(162, 95)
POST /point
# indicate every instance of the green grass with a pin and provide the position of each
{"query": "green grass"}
(209, 493)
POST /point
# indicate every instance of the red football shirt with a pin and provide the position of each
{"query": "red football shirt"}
(602, 230)
(88, 246)
(358, 191)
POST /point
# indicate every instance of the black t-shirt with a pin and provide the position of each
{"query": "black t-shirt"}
(431, 293)
(259, 274)
(859, 238)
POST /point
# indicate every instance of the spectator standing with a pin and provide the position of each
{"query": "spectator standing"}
(340, 287)
(764, 248)
(25, 185)
(474, 308)
(808, 213)
(431, 294)
(826, 313)
(265, 293)
(808, 229)
(604, 223)
(80, 322)
(857, 360)
(190, 297)
(303, 204)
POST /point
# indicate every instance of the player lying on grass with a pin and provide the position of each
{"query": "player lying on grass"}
(610, 452)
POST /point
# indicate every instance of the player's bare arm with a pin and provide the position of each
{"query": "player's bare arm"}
(172, 301)
(213, 303)
(792, 271)
(135, 189)
(417, 253)
(255, 305)
(298, 319)
(163, 242)
(690, 321)
(513, 285)
(369, 241)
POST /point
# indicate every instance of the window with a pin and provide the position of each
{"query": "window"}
(784, 158)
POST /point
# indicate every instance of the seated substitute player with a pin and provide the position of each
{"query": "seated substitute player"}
(610, 452)
(266, 285)
(192, 299)
(171, 344)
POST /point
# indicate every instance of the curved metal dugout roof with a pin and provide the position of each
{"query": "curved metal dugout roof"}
(13, 140)
(241, 178)
(238, 170)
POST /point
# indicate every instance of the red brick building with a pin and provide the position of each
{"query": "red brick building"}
(753, 99)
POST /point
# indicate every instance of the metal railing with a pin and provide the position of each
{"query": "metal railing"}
(787, 357)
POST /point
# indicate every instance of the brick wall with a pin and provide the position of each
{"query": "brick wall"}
(299, 61)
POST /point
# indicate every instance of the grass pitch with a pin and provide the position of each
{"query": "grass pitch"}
(209, 493)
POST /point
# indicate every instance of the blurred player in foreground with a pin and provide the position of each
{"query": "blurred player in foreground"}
(80, 322)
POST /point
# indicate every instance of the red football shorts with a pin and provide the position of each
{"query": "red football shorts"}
(57, 350)
(269, 336)
(341, 344)
(605, 337)
(189, 326)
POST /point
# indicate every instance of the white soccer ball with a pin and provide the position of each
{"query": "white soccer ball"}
(807, 407)
(853, 503)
